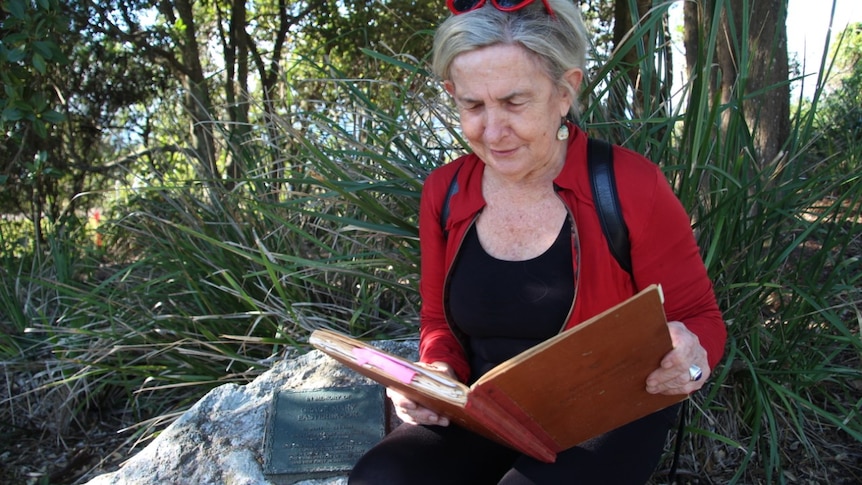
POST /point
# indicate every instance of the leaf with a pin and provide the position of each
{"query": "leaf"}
(52, 116)
(45, 48)
(38, 102)
(10, 90)
(19, 39)
(12, 114)
(53, 172)
(18, 8)
(15, 55)
(39, 63)
(40, 128)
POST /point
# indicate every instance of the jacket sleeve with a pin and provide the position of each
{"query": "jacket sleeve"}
(436, 340)
(665, 251)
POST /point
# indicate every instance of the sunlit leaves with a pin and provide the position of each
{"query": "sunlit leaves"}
(29, 46)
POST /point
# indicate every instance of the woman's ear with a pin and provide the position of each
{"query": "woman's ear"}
(573, 77)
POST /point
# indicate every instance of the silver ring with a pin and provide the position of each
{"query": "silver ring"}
(694, 373)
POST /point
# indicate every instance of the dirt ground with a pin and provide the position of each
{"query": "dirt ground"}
(33, 457)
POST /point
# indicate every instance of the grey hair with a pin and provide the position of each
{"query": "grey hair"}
(558, 43)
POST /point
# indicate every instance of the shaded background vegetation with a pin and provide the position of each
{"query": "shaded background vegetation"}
(189, 188)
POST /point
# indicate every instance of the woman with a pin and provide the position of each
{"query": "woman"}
(523, 256)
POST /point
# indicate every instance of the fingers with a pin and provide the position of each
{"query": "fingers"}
(674, 377)
(441, 367)
(412, 412)
(675, 381)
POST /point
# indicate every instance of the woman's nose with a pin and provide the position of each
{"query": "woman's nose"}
(496, 124)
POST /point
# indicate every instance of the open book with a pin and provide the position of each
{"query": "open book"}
(577, 385)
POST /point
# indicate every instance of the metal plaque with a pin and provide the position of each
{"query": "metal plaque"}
(322, 432)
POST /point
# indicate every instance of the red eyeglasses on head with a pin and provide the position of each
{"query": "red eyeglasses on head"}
(461, 6)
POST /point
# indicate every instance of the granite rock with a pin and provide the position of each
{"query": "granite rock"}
(220, 439)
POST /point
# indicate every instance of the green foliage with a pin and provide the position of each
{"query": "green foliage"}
(29, 43)
(30, 39)
(14, 237)
(341, 232)
(200, 274)
(838, 115)
(599, 16)
(781, 243)
(341, 30)
(337, 34)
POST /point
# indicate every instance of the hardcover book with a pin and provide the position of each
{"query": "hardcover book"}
(579, 384)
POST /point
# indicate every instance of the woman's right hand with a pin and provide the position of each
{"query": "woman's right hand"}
(414, 413)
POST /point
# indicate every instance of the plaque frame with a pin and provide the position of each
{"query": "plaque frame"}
(320, 433)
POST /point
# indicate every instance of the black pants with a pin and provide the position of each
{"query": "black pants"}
(435, 455)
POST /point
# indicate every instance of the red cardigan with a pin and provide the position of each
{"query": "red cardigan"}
(663, 249)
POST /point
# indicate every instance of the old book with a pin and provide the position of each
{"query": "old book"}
(577, 385)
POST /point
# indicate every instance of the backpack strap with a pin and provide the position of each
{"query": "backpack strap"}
(604, 187)
(444, 211)
(600, 164)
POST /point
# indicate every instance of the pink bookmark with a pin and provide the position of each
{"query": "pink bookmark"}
(385, 363)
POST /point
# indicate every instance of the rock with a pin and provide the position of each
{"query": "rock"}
(220, 439)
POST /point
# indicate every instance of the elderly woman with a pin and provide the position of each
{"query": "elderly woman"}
(522, 255)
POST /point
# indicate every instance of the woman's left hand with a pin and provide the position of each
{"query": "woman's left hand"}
(674, 376)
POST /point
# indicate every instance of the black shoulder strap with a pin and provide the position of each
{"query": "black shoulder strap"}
(444, 211)
(600, 164)
(603, 184)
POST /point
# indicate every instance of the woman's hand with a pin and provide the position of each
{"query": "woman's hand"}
(414, 413)
(674, 377)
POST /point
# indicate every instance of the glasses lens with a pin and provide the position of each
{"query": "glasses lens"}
(509, 5)
(461, 6)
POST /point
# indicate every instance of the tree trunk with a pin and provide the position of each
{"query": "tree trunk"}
(769, 71)
(662, 67)
(693, 28)
(197, 95)
(236, 55)
(751, 59)
(269, 75)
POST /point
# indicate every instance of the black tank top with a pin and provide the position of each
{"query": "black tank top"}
(506, 307)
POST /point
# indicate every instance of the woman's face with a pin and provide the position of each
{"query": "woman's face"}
(510, 109)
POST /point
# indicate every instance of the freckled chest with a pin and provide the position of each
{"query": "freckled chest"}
(516, 227)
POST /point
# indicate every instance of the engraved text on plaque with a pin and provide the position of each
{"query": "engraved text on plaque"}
(322, 432)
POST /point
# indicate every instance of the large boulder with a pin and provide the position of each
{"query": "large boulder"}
(220, 440)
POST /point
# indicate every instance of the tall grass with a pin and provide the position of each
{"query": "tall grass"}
(207, 281)
(781, 240)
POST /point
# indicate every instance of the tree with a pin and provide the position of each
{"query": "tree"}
(260, 47)
(754, 77)
(175, 43)
(30, 40)
(64, 91)
(627, 14)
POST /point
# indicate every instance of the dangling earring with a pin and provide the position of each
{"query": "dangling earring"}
(563, 132)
